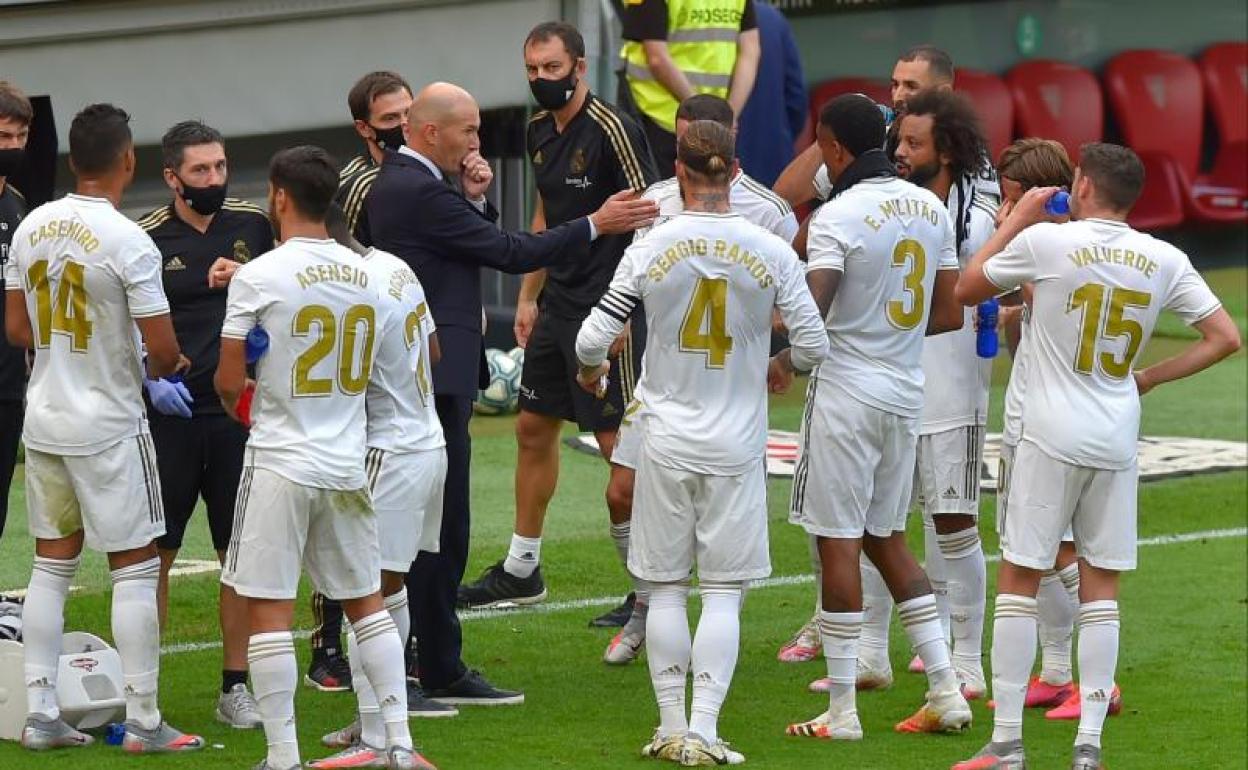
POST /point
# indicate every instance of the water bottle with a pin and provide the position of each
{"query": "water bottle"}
(887, 112)
(986, 333)
(1058, 205)
(114, 733)
(257, 344)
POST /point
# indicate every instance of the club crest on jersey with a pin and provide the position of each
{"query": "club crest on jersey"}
(241, 252)
(578, 163)
(175, 263)
(538, 158)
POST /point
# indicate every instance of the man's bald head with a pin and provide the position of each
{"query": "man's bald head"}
(442, 125)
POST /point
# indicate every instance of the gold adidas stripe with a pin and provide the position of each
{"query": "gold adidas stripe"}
(355, 198)
(614, 129)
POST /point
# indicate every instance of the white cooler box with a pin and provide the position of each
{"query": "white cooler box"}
(89, 685)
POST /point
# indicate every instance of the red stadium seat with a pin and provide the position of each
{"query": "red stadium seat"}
(1225, 70)
(1157, 98)
(1058, 101)
(993, 103)
(827, 90)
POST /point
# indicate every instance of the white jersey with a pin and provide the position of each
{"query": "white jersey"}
(746, 197)
(1012, 419)
(956, 379)
(888, 238)
(1098, 289)
(709, 283)
(401, 416)
(984, 182)
(87, 273)
(316, 301)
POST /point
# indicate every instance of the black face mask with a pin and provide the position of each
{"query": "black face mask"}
(204, 201)
(11, 160)
(389, 138)
(553, 94)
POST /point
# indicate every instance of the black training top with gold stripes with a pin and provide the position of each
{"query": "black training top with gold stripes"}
(354, 182)
(598, 153)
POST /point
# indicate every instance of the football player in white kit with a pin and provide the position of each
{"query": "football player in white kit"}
(939, 145)
(1098, 288)
(83, 285)
(406, 467)
(757, 205)
(709, 282)
(303, 499)
(882, 266)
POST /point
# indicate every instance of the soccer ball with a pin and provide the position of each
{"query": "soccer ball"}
(503, 392)
(517, 355)
(11, 628)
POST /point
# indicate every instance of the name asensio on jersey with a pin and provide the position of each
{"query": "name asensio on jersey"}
(1103, 255)
(701, 247)
(67, 228)
(910, 207)
(314, 274)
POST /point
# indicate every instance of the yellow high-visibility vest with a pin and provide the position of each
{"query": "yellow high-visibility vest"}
(702, 39)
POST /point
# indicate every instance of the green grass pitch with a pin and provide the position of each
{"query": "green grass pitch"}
(1182, 662)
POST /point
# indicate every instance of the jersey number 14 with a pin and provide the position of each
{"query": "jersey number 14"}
(66, 311)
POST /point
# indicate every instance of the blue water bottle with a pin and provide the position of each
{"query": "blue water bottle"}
(114, 734)
(1058, 204)
(256, 344)
(986, 333)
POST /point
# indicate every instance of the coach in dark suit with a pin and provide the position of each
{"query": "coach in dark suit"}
(447, 236)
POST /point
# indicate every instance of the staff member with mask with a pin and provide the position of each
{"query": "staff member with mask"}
(203, 237)
(379, 102)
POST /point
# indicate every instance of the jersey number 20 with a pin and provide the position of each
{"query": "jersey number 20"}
(354, 365)
(68, 313)
(708, 310)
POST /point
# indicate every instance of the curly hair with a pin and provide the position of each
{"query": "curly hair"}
(956, 130)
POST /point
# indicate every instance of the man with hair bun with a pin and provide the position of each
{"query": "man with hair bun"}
(709, 282)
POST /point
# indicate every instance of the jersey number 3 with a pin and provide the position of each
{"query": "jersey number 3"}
(708, 310)
(68, 313)
(354, 366)
(899, 315)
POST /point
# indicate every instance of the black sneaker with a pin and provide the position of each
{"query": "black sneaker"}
(329, 672)
(473, 690)
(498, 587)
(420, 706)
(617, 617)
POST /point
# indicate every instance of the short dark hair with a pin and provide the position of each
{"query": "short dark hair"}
(309, 176)
(366, 89)
(707, 107)
(188, 133)
(570, 35)
(708, 150)
(956, 130)
(98, 137)
(855, 121)
(1116, 171)
(14, 105)
(938, 61)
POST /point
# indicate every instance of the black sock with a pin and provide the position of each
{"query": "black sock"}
(230, 678)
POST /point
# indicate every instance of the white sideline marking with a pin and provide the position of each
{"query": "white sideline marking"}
(771, 582)
(180, 568)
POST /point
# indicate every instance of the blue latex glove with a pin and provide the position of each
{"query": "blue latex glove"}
(169, 398)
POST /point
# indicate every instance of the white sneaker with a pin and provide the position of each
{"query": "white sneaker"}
(238, 709)
(839, 727)
(624, 647)
(971, 680)
(698, 752)
(805, 644)
(343, 738)
(664, 747)
(944, 712)
(873, 675)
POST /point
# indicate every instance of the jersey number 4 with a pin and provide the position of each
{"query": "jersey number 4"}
(1090, 298)
(354, 355)
(705, 329)
(66, 312)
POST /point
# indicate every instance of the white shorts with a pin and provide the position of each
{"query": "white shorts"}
(407, 497)
(628, 439)
(1005, 467)
(281, 526)
(681, 517)
(855, 467)
(112, 495)
(946, 471)
(1046, 496)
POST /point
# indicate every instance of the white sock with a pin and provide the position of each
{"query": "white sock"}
(620, 535)
(922, 624)
(937, 571)
(396, 605)
(967, 585)
(715, 647)
(381, 656)
(43, 623)
(523, 556)
(1013, 653)
(669, 651)
(372, 727)
(839, 632)
(1056, 612)
(136, 631)
(274, 672)
(1098, 657)
(877, 615)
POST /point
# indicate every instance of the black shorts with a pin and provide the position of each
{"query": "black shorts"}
(199, 457)
(548, 384)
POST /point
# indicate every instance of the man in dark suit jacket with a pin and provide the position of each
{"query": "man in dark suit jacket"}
(447, 237)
